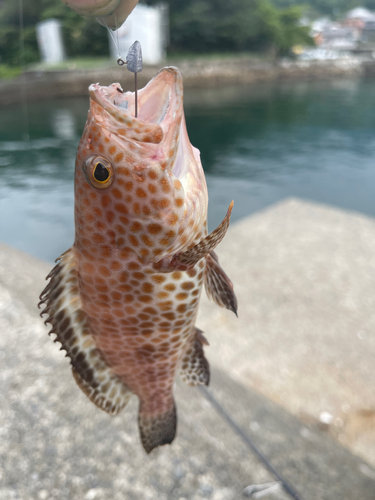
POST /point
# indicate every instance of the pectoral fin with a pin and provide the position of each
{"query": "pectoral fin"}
(188, 259)
(69, 322)
(195, 369)
(218, 286)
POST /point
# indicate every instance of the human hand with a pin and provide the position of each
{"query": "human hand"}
(110, 13)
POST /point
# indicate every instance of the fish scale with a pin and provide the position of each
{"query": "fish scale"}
(124, 299)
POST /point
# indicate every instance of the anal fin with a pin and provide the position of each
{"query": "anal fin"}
(195, 369)
(157, 429)
(69, 322)
(112, 400)
(218, 286)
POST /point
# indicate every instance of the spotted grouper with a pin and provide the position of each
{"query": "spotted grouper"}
(123, 299)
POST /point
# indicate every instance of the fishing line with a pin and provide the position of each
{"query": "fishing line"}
(23, 89)
(134, 63)
(114, 40)
(246, 439)
(117, 35)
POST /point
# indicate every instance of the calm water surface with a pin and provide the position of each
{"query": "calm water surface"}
(258, 145)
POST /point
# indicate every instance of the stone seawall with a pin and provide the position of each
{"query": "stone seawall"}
(197, 73)
(301, 349)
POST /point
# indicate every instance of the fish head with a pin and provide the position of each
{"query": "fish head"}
(139, 183)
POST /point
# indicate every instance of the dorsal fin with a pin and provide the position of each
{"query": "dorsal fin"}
(187, 260)
(69, 323)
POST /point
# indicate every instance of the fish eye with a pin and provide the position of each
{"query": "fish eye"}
(99, 172)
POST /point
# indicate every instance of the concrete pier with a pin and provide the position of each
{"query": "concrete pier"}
(294, 371)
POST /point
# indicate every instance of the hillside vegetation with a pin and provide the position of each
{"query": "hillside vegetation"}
(198, 26)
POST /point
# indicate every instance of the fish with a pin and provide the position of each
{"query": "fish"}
(123, 300)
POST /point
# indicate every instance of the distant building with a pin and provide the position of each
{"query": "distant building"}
(360, 13)
(337, 37)
(353, 35)
(320, 24)
(50, 41)
(363, 20)
(368, 34)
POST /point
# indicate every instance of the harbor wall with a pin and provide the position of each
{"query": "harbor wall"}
(197, 73)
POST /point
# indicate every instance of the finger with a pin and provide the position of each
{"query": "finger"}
(111, 13)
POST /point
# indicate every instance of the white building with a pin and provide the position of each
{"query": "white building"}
(50, 41)
(360, 13)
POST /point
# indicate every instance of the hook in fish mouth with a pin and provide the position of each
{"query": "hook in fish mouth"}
(159, 103)
(160, 124)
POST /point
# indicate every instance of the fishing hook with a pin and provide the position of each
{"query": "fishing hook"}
(135, 65)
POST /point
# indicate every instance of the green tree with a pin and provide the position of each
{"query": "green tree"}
(222, 25)
(195, 26)
(82, 37)
(281, 27)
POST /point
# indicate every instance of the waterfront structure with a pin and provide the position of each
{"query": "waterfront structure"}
(50, 41)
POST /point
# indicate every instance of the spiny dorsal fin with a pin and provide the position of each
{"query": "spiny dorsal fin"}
(69, 323)
(218, 286)
(188, 259)
(195, 369)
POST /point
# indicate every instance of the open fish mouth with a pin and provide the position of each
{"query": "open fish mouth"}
(159, 107)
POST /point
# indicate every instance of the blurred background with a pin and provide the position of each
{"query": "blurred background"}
(304, 127)
(280, 100)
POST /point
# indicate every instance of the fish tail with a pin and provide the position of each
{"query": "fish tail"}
(157, 429)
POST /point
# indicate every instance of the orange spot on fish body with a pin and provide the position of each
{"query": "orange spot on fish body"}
(106, 251)
(158, 278)
(144, 252)
(110, 216)
(115, 265)
(140, 193)
(98, 238)
(137, 209)
(165, 186)
(146, 240)
(88, 268)
(133, 240)
(123, 171)
(116, 193)
(145, 298)
(106, 200)
(121, 208)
